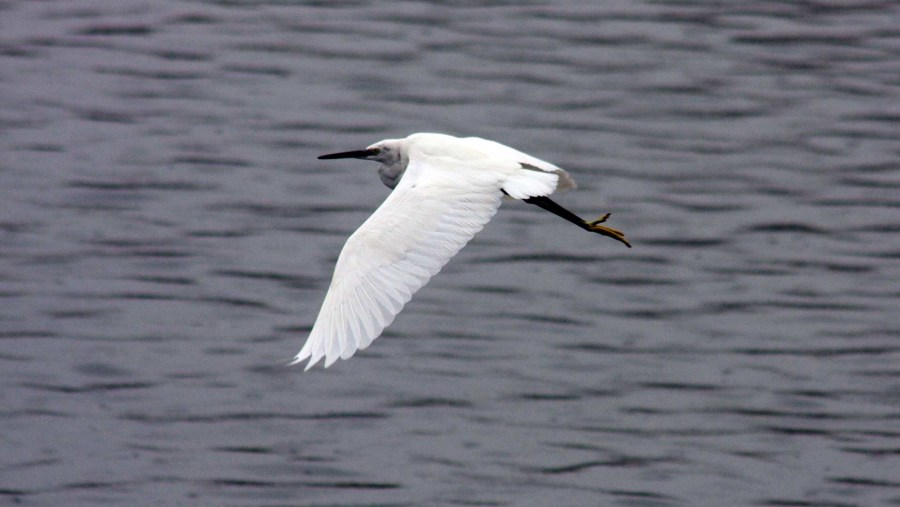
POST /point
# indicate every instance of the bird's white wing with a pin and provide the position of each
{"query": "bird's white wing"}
(437, 207)
(521, 184)
(503, 151)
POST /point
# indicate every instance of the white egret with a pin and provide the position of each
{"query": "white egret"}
(445, 189)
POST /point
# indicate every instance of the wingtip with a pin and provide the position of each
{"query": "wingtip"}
(299, 358)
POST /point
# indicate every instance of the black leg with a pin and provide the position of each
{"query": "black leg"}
(546, 203)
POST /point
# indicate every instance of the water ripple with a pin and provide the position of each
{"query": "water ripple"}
(167, 235)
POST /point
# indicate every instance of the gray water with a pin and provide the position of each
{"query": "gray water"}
(167, 236)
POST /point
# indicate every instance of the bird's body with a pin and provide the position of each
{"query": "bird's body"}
(445, 189)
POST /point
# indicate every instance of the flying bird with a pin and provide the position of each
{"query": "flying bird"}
(445, 189)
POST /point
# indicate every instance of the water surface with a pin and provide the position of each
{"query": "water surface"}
(167, 236)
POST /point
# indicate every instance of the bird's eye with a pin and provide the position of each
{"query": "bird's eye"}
(376, 151)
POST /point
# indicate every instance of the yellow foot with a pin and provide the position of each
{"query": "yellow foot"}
(600, 220)
(607, 231)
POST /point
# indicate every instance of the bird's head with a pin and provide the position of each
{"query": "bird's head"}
(389, 152)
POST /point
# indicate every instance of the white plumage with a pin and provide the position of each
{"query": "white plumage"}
(445, 190)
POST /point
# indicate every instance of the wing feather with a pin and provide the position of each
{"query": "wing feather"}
(521, 184)
(432, 213)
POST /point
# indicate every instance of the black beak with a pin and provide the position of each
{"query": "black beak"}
(350, 154)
